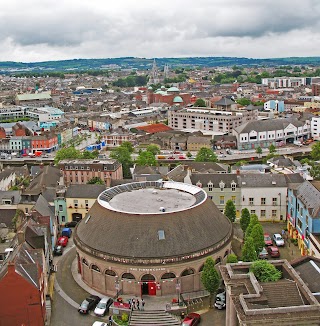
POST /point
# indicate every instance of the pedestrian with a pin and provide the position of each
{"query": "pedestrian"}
(142, 304)
(138, 304)
(110, 321)
(133, 303)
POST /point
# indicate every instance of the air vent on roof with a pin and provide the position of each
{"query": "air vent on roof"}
(243, 182)
(274, 182)
(162, 209)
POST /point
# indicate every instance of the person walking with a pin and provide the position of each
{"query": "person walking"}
(138, 304)
(133, 303)
(142, 304)
(110, 321)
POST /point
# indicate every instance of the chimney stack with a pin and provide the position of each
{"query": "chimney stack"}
(21, 237)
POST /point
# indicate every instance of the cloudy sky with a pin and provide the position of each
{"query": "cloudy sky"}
(34, 30)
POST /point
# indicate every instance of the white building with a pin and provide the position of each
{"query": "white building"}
(284, 82)
(315, 128)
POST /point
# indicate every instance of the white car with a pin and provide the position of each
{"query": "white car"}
(278, 240)
(103, 306)
(99, 323)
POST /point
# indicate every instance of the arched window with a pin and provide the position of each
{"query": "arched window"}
(95, 268)
(218, 260)
(128, 276)
(188, 271)
(168, 275)
(85, 262)
(226, 253)
(201, 268)
(147, 277)
(110, 272)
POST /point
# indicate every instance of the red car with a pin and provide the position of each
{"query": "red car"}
(62, 241)
(267, 240)
(182, 157)
(192, 319)
(273, 251)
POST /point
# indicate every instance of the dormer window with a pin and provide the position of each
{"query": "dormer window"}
(221, 185)
(199, 184)
(210, 186)
(233, 186)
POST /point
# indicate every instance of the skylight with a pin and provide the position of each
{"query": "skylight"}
(161, 235)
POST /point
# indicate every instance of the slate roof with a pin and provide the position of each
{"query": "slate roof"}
(137, 234)
(85, 191)
(224, 101)
(310, 197)
(42, 207)
(215, 178)
(6, 216)
(267, 125)
(37, 96)
(15, 195)
(262, 180)
(282, 161)
(199, 140)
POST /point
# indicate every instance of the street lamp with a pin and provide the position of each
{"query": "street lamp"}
(281, 216)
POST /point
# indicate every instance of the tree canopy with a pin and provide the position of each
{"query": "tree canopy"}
(253, 221)
(206, 155)
(265, 271)
(154, 149)
(244, 220)
(258, 237)
(67, 153)
(232, 258)
(123, 155)
(200, 103)
(230, 210)
(272, 149)
(249, 252)
(95, 180)
(146, 158)
(315, 151)
(210, 277)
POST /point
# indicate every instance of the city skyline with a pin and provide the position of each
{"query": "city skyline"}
(34, 30)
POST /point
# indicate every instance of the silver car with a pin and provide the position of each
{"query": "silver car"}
(278, 240)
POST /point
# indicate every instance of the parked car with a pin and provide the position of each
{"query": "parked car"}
(278, 240)
(62, 241)
(220, 301)
(171, 158)
(192, 319)
(58, 250)
(99, 323)
(71, 224)
(263, 254)
(88, 304)
(273, 251)
(182, 157)
(103, 306)
(267, 239)
(66, 232)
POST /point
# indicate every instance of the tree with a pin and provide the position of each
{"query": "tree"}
(272, 149)
(232, 258)
(230, 210)
(200, 103)
(265, 271)
(154, 149)
(95, 180)
(189, 154)
(210, 277)
(244, 220)
(146, 158)
(258, 238)
(243, 101)
(253, 221)
(315, 151)
(128, 145)
(123, 155)
(206, 155)
(259, 151)
(67, 153)
(249, 252)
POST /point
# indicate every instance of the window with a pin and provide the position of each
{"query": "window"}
(75, 203)
(233, 186)
(95, 268)
(263, 201)
(299, 222)
(210, 186)
(253, 211)
(274, 213)
(263, 213)
(128, 276)
(60, 208)
(233, 198)
(274, 201)
(63, 218)
(221, 200)
(110, 272)
(251, 201)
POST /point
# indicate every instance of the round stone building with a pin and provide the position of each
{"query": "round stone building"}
(150, 238)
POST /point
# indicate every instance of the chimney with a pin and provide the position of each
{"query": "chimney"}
(21, 237)
(238, 171)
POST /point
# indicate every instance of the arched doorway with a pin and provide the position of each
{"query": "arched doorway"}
(148, 285)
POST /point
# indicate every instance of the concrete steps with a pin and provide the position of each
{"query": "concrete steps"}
(153, 317)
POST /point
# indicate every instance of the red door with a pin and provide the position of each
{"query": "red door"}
(152, 288)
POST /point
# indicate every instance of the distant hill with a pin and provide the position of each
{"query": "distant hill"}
(10, 67)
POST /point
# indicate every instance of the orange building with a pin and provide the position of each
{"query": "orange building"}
(170, 96)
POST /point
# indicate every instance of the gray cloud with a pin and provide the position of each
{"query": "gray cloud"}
(34, 30)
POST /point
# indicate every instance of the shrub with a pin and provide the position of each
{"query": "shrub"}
(265, 271)
(125, 317)
(232, 258)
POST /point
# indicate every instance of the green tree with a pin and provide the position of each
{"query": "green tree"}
(154, 149)
(265, 271)
(230, 210)
(146, 158)
(232, 258)
(200, 103)
(315, 151)
(258, 238)
(189, 154)
(272, 149)
(244, 220)
(206, 155)
(123, 155)
(259, 151)
(67, 153)
(243, 101)
(253, 221)
(249, 252)
(128, 145)
(210, 277)
(95, 180)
